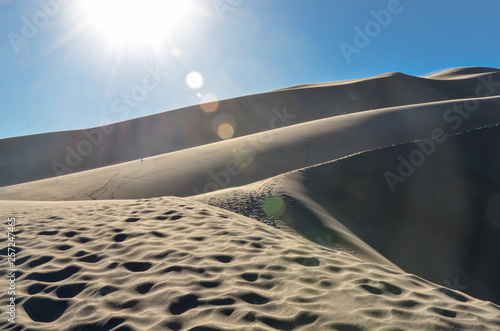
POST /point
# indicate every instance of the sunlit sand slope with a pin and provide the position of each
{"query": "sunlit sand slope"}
(47, 155)
(247, 159)
(176, 264)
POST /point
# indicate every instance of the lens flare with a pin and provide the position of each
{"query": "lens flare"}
(225, 131)
(209, 103)
(273, 205)
(194, 80)
(244, 157)
(224, 125)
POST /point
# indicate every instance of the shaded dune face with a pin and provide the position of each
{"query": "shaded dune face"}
(162, 133)
(177, 264)
(441, 222)
(244, 160)
(438, 220)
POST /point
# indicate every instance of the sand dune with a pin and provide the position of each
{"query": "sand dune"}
(191, 126)
(175, 264)
(460, 73)
(440, 223)
(262, 155)
(368, 204)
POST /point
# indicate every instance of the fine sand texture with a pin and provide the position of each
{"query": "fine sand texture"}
(176, 264)
(369, 204)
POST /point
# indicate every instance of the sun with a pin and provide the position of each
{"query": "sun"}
(135, 22)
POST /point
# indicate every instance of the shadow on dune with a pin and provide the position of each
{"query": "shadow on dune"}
(442, 222)
(40, 156)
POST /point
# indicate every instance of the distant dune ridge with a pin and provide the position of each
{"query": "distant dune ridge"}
(370, 204)
(161, 133)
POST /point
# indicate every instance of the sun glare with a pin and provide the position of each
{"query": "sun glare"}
(135, 22)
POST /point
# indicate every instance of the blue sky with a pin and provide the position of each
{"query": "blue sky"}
(62, 68)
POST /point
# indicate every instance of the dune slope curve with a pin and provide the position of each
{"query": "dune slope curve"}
(371, 204)
(430, 208)
(177, 264)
